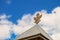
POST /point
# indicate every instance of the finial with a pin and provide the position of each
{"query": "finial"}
(37, 18)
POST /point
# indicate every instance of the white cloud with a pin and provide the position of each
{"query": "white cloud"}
(25, 23)
(52, 20)
(49, 22)
(56, 36)
(4, 31)
(5, 27)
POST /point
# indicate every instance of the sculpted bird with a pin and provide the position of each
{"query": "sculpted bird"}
(37, 18)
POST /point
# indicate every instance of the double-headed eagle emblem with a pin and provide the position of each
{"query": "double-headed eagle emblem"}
(37, 18)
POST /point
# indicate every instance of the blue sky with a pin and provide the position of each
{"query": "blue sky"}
(18, 8)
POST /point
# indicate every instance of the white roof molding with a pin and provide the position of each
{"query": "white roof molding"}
(32, 31)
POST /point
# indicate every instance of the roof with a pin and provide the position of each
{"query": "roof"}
(32, 31)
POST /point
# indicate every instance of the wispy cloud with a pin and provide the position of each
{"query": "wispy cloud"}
(8, 2)
(50, 22)
(4, 16)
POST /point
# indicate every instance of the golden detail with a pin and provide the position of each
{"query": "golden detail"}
(37, 18)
